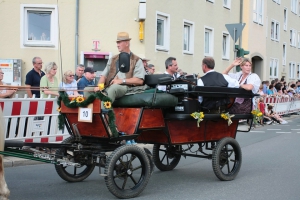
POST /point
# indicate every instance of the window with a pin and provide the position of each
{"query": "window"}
(298, 69)
(299, 40)
(275, 30)
(227, 3)
(274, 68)
(285, 19)
(294, 5)
(292, 68)
(284, 54)
(188, 37)
(293, 41)
(39, 25)
(225, 46)
(162, 31)
(208, 41)
(258, 11)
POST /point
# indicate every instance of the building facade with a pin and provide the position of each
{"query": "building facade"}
(272, 35)
(74, 32)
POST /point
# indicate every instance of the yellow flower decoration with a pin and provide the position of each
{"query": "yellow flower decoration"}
(101, 86)
(227, 117)
(79, 99)
(73, 100)
(58, 109)
(257, 116)
(107, 104)
(199, 116)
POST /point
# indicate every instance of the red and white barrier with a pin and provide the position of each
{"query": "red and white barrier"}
(31, 120)
(284, 104)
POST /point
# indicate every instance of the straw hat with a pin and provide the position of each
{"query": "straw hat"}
(123, 36)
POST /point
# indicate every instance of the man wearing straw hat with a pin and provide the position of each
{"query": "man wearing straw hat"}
(123, 83)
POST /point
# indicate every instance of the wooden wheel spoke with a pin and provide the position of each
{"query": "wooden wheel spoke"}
(120, 175)
(131, 159)
(124, 183)
(163, 158)
(133, 179)
(75, 170)
(136, 168)
(121, 161)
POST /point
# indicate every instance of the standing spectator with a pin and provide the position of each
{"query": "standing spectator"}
(69, 84)
(33, 77)
(5, 93)
(86, 80)
(79, 72)
(298, 87)
(146, 67)
(266, 86)
(171, 67)
(49, 83)
(270, 90)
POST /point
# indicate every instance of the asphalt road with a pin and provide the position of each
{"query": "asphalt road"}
(270, 170)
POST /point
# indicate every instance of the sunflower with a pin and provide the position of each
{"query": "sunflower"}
(107, 104)
(79, 99)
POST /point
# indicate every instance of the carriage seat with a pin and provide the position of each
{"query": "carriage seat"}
(146, 100)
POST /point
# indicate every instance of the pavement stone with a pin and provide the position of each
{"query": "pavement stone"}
(14, 162)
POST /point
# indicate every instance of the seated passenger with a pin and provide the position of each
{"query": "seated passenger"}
(5, 93)
(123, 83)
(247, 80)
(213, 78)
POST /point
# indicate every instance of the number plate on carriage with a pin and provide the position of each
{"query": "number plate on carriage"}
(183, 86)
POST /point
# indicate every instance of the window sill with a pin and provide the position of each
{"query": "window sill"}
(39, 45)
(227, 59)
(188, 52)
(162, 49)
(226, 7)
(275, 40)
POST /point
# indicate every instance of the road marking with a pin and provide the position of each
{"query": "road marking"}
(257, 131)
(295, 129)
(273, 129)
(283, 132)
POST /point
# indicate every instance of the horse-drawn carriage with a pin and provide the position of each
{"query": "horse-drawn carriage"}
(159, 118)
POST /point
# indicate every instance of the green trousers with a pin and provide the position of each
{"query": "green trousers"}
(114, 91)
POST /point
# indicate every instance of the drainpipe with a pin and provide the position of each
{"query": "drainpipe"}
(241, 21)
(76, 33)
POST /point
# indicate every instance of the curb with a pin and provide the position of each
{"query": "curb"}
(10, 161)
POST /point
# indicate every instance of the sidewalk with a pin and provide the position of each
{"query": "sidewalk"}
(14, 162)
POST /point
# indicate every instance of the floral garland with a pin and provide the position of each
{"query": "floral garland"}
(227, 117)
(80, 102)
(199, 116)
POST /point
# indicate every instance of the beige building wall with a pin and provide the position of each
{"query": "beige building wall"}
(257, 39)
(100, 20)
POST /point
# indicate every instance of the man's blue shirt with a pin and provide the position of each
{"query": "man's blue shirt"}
(33, 78)
(84, 83)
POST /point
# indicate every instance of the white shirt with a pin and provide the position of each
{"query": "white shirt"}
(252, 79)
(176, 75)
(232, 83)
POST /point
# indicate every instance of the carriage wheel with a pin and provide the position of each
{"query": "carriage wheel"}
(227, 159)
(128, 171)
(74, 173)
(164, 157)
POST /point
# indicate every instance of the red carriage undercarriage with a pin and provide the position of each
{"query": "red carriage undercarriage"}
(161, 119)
